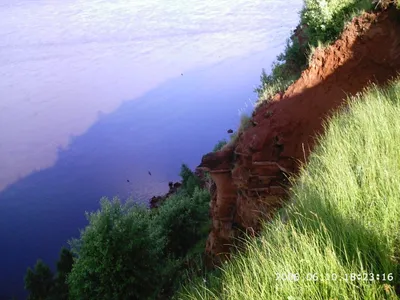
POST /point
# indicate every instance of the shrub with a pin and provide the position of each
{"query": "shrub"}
(130, 252)
(64, 267)
(185, 224)
(285, 70)
(39, 282)
(189, 180)
(42, 284)
(118, 254)
(183, 220)
(325, 19)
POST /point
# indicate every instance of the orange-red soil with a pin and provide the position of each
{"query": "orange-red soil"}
(250, 176)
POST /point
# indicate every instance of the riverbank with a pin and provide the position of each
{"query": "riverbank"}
(278, 159)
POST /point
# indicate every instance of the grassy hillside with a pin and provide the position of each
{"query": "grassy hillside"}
(342, 227)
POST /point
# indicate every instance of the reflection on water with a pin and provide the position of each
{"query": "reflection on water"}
(62, 62)
(91, 96)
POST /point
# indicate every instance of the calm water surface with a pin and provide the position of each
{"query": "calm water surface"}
(95, 93)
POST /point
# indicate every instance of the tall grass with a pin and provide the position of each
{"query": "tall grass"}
(271, 85)
(343, 220)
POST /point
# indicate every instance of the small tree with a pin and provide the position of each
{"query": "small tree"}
(118, 255)
(182, 220)
(64, 267)
(39, 281)
(189, 180)
(42, 284)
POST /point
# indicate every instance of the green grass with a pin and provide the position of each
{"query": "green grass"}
(271, 85)
(344, 217)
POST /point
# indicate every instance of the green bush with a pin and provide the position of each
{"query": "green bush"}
(189, 180)
(64, 267)
(183, 220)
(130, 252)
(42, 284)
(285, 70)
(325, 19)
(118, 255)
(39, 281)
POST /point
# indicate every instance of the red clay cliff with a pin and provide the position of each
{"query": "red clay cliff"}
(251, 175)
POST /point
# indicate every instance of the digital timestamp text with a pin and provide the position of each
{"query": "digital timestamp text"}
(334, 277)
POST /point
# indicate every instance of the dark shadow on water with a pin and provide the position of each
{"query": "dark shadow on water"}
(177, 122)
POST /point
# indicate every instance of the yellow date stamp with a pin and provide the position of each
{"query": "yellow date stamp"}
(294, 277)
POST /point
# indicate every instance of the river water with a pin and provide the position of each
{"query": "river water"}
(95, 94)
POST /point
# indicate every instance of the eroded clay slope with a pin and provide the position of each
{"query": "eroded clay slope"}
(250, 176)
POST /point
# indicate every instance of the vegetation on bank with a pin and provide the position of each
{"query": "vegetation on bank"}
(340, 237)
(43, 284)
(321, 22)
(128, 251)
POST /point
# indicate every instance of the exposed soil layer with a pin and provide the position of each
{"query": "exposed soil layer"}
(251, 176)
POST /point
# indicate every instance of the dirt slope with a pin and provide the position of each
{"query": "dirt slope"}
(250, 175)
